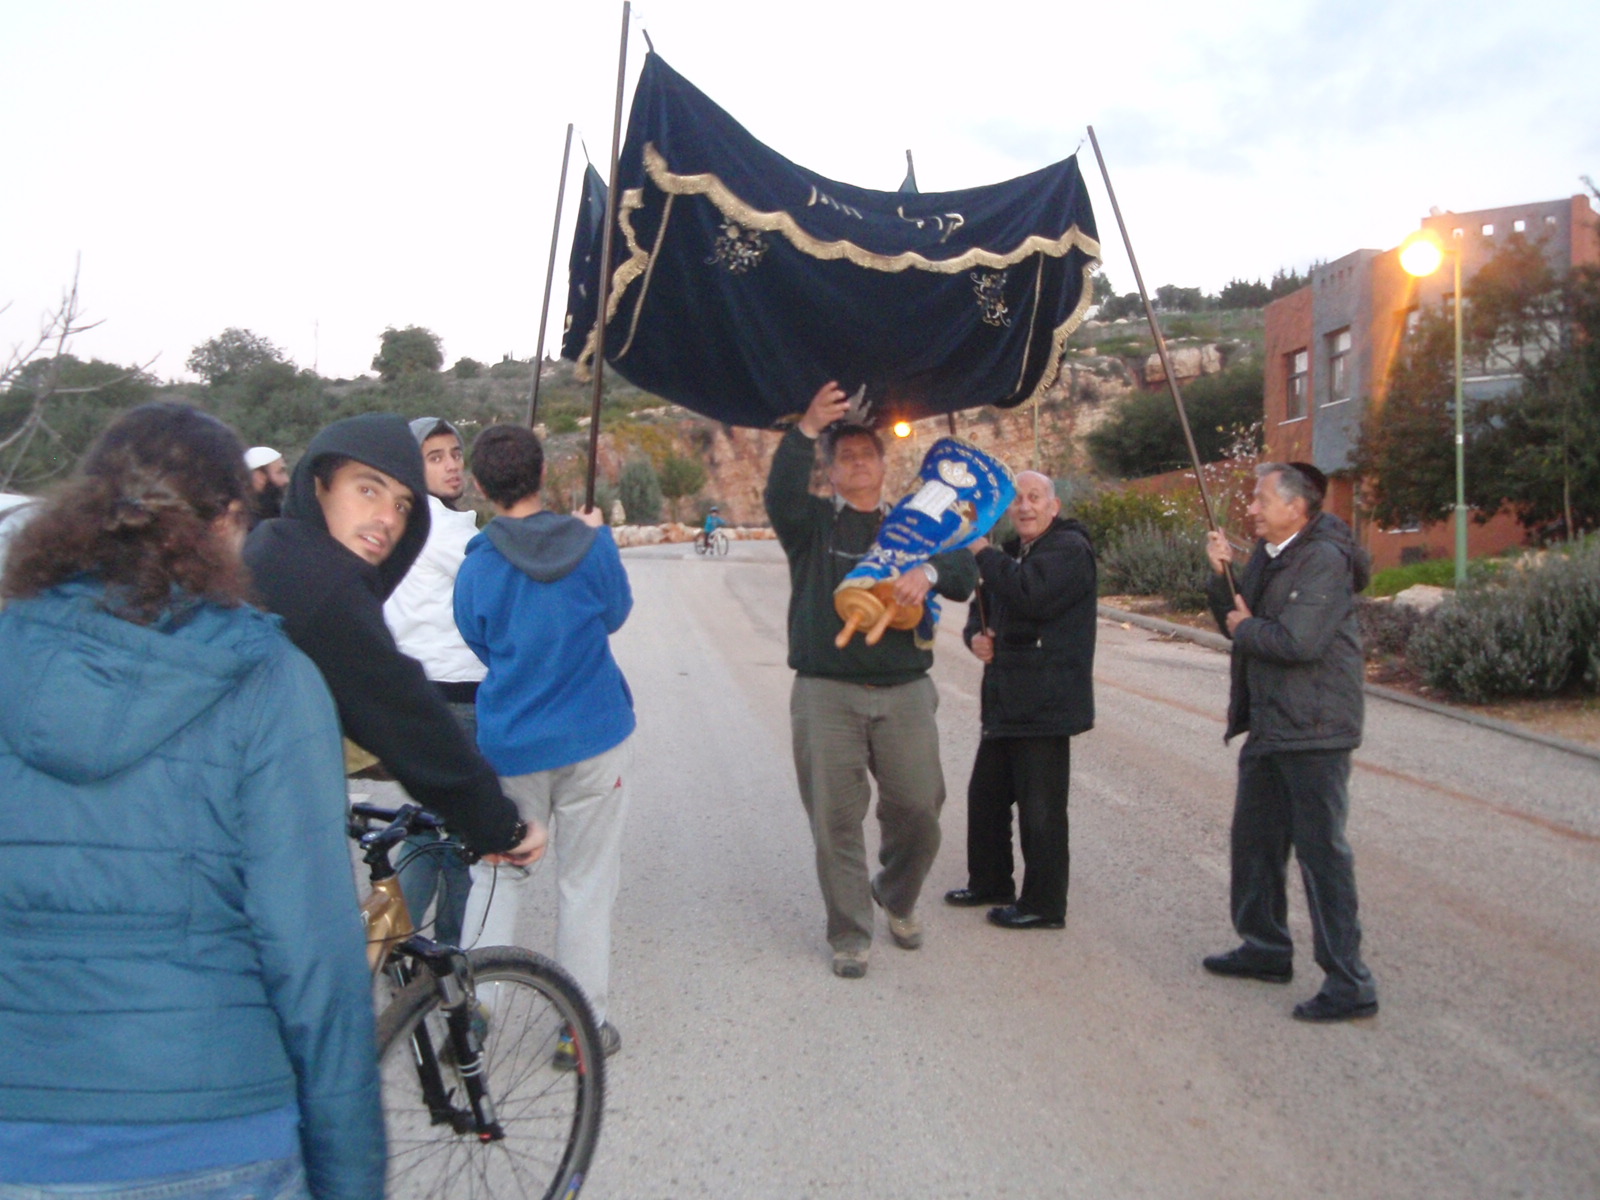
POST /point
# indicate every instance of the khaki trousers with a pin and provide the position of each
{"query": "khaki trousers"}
(844, 732)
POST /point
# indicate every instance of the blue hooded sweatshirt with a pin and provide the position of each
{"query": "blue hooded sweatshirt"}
(537, 600)
(179, 939)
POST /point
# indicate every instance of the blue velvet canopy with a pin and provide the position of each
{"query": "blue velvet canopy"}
(741, 282)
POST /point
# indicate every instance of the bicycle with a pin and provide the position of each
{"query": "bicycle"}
(472, 1103)
(715, 542)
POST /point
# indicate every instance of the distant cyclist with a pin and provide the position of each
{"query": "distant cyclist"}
(713, 523)
(185, 1005)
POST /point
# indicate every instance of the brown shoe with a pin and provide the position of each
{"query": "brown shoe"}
(850, 964)
(906, 931)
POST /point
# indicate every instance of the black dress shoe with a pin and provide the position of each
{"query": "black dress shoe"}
(967, 898)
(1328, 1008)
(1237, 966)
(1012, 917)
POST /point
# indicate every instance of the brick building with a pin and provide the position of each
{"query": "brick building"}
(1330, 345)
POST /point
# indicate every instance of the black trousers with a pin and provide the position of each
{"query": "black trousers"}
(1298, 801)
(1031, 773)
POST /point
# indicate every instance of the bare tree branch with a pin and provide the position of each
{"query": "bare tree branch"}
(56, 331)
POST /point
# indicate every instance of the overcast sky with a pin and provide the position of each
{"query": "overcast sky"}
(317, 171)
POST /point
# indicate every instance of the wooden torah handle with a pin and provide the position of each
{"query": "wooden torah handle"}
(873, 609)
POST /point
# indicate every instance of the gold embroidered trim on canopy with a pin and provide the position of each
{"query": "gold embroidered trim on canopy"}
(649, 271)
(639, 260)
(627, 271)
(1058, 343)
(1033, 321)
(714, 190)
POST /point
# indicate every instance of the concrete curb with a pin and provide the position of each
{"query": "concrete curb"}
(1215, 641)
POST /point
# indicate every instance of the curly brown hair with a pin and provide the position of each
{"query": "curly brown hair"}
(508, 463)
(139, 515)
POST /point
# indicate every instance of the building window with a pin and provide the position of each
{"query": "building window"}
(1458, 232)
(1550, 221)
(1519, 226)
(1299, 367)
(1338, 366)
(1488, 230)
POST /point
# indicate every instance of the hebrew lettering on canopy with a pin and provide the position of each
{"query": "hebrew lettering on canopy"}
(741, 281)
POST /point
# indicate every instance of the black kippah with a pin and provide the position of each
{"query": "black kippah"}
(1315, 477)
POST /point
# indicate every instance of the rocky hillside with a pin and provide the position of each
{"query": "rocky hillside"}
(737, 460)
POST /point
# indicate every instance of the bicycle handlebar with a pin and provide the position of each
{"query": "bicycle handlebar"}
(399, 824)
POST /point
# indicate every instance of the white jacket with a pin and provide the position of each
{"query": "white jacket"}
(421, 611)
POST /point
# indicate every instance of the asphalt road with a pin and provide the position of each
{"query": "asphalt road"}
(1098, 1062)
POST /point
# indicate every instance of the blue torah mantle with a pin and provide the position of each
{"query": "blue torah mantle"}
(742, 281)
(962, 494)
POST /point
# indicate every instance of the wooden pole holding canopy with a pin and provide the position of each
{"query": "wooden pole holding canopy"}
(605, 266)
(1161, 349)
(549, 278)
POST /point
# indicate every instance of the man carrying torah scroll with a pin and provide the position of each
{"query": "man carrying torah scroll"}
(858, 709)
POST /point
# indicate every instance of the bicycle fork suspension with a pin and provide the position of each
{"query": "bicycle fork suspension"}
(456, 1000)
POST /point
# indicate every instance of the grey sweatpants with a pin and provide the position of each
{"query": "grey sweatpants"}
(842, 733)
(584, 806)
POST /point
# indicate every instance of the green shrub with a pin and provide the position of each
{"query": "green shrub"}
(1105, 514)
(1435, 572)
(1387, 629)
(640, 491)
(1149, 558)
(1530, 632)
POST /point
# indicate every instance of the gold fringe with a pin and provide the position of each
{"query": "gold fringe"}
(737, 210)
(1033, 321)
(630, 269)
(1058, 344)
(649, 271)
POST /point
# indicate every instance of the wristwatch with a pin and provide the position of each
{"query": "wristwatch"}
(932, 572)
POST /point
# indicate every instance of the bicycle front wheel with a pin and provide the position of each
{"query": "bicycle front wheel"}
(549, 1118)
(722, 542)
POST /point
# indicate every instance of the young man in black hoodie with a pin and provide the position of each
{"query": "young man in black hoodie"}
(354, 519)
(1033, 629)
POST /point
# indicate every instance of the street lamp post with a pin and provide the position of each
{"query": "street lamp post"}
(1422, 254)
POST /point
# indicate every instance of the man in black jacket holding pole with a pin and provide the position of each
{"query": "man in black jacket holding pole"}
(1032, 625)
(1297, 689)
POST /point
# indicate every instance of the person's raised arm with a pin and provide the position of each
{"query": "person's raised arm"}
(1220, 597)
(788, 490)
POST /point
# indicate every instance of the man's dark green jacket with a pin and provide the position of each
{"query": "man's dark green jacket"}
(823, 540)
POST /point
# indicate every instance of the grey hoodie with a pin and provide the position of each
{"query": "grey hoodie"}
(545, 547)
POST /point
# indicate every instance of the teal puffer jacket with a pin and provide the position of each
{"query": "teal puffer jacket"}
(179, 936)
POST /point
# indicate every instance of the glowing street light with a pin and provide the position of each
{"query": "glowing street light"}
(1422, 254)
(902, 429)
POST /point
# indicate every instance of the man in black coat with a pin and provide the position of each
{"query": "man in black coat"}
(1297, 690)
(1032, 625)
(354, 520)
